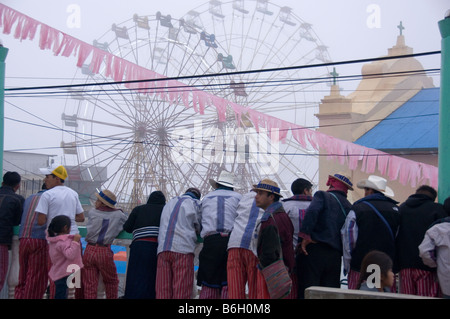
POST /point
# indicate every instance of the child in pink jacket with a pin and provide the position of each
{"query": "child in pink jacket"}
(65, 254)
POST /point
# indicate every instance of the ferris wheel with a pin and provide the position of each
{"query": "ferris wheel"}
(134, 143)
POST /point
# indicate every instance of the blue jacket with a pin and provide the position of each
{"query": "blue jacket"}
(325, 216)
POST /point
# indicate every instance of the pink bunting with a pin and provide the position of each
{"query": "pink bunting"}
(299, 135)
(394, 167)
(173, 91)
(9, 18)
(371, 161)
(185, 96)
(48, 38)
(406, 171)
(238, 110)
(202, 99)
(221, 107)
(383, 163)
(67, 46)
(414, 174)
(28, 30)
(355, 154)
(98, 57)
(254, 118)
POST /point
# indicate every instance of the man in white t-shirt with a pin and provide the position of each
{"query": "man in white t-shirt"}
(59, 199)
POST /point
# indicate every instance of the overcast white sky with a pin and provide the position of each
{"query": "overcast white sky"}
(352, 29)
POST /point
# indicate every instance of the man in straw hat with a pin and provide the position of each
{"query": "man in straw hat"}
(242, 257)
(271, 231)
(105, 222)
(371, 224)
(321, 246)
(218, 214)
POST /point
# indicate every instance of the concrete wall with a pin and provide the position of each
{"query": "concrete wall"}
(339, 293)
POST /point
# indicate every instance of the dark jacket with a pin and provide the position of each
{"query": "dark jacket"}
(324, 218)
(417, 213)
(373, 233)
(268, 246)
(147, 216)
(11, 207)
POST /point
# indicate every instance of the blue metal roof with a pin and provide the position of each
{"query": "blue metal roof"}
(414, 125)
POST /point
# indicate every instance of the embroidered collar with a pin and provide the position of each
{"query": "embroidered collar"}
(270, 210)
(300, 197)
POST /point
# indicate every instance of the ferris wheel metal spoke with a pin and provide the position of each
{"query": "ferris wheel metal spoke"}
(151, 140)
(110, 148)
(114, 106)
(103, 161)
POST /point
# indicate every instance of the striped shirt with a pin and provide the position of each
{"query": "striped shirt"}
(295, 207)
(145, 232)
(219, 210)
(104, 224)
(248, 215)
(29, 227)
(349, 233)
(180, 224)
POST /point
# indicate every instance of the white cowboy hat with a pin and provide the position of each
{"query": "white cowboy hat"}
(377, 183)
(225, 179)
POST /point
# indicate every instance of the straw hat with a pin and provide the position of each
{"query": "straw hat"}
(268, 186)
(377, 183)
(107, 197)
(225, 179)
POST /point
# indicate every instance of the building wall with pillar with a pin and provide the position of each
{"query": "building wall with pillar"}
(375, 98)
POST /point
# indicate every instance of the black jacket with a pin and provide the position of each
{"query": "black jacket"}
(11, 207)
(373, 233)
(146, 215)
(417, 213)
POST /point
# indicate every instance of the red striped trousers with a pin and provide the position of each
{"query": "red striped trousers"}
(4, 264)
(352, 279)
(419, 282)
(33, 271)
(241, 270)
(261, 291)
(99, 260)
(174, 275)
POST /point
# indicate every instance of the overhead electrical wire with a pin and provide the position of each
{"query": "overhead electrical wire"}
(226, 73)
(207, 87)
(14, 92)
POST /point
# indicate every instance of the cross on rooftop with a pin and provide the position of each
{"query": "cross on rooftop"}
(334, 74)
(401, 27)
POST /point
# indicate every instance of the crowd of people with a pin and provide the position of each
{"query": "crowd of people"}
(239, 241)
